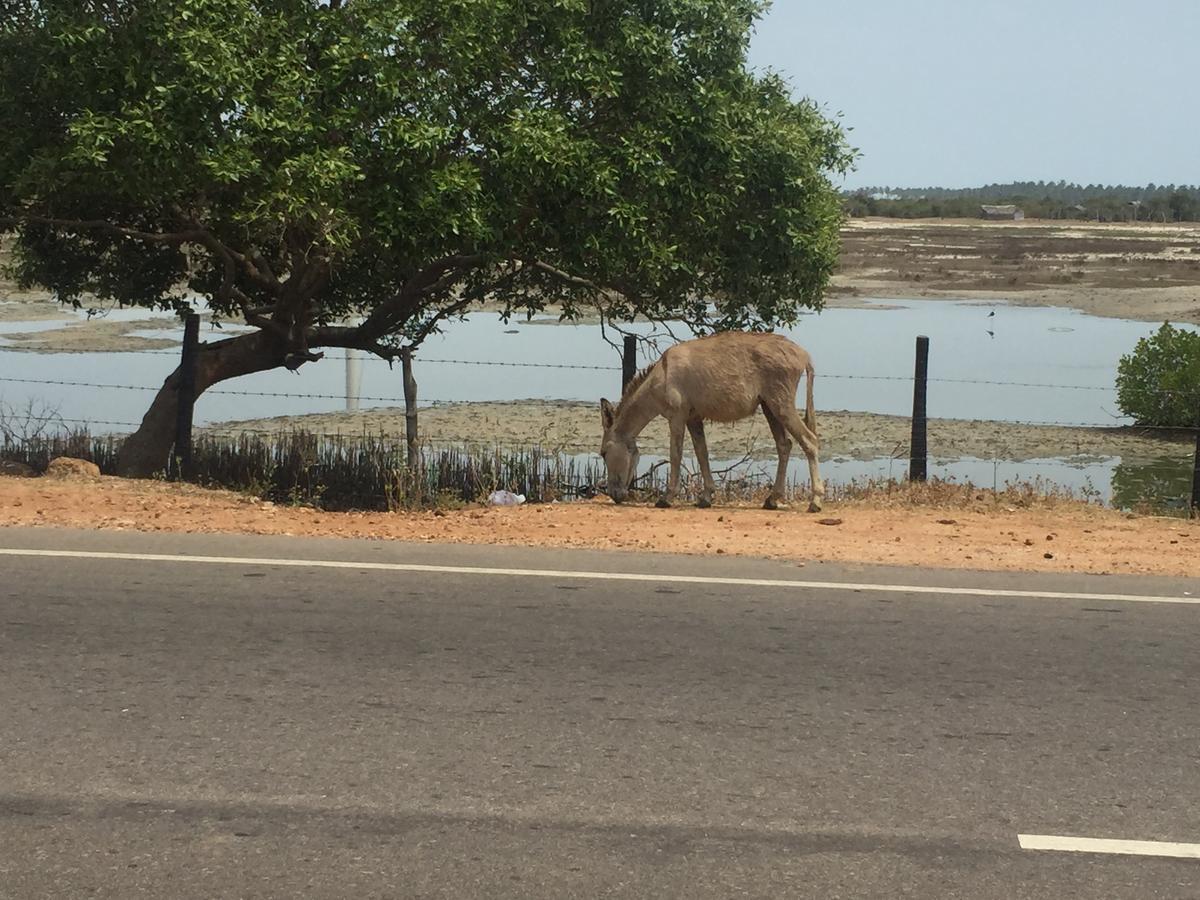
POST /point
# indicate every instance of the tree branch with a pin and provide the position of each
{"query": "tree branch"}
(258, 316)
(351, 338)
(360, 337)
(192, 233)
(436, 277)
(268, 281)
(470, 297)
(176, 237)
(567, 277)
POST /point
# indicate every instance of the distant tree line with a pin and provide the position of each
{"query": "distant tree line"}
(1038, 200)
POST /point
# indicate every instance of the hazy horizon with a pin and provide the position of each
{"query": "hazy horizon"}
(950, 94)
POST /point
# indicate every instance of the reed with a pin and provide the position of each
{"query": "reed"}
(369, 472)
(37, 451)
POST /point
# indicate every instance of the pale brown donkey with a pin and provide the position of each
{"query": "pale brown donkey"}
(720, 378)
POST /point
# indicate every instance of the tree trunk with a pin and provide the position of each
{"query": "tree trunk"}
(145, 452)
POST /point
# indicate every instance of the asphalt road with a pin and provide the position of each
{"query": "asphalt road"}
(212, 729)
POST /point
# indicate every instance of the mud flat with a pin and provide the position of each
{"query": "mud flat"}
(1146, 271)
(1142, 271)
(575, 428)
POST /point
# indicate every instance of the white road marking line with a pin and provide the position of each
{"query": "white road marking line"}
(1102, 845)
(597, 576)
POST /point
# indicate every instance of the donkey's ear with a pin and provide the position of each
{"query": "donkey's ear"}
(607, 413)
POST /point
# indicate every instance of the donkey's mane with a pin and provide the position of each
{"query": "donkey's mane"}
(636, 382)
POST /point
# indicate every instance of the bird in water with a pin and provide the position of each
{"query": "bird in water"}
(991, 314)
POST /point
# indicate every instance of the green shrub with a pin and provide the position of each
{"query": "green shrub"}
(1159, 382)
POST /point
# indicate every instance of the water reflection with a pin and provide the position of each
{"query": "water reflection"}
(1162, 482)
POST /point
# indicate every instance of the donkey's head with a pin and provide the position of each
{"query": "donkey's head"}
(620, 454)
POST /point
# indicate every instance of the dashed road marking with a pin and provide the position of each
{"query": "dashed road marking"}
(1064, 844)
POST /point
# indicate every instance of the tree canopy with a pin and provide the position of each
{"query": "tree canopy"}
(355, 172)
(1158, 383)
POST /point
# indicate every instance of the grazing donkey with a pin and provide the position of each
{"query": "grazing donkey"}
(722, 378)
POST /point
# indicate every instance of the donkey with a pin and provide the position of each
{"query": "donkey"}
(722, 378)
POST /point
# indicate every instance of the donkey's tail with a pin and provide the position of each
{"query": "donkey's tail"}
(810, 412)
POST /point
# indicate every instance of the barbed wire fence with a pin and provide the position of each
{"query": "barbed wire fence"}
(916, 456)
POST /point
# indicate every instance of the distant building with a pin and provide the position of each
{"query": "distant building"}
(1001, 212)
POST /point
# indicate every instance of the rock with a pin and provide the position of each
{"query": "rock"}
(68, 467)
(1047, 556)
(14, 469)
(829, 521)
(947, 521)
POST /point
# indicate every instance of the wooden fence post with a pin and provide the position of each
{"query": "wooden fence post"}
(410, 410)
(628, 360)
(185, 467)
(1195, 507)
(918, 462)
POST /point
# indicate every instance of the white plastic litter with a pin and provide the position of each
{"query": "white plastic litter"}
(505, 498)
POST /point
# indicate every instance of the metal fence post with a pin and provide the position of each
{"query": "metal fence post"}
(186, 398)
(410, 410)
(918, 463)
(629, 360)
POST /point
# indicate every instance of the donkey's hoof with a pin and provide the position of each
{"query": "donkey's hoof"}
(703, 504)
(663, 503)
(772, 503)
(815, 506)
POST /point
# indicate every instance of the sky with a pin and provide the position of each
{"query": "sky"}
(961, 93)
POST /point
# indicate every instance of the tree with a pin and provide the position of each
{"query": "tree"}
(1182, 205)
(1159, 382)
(354, 173)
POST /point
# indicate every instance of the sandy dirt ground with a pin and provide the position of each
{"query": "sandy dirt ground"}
(961, 530)
(575, 427)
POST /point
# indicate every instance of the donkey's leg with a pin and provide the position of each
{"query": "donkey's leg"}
(783, 445)
(696, 427)
(809, 443)
(677, 429)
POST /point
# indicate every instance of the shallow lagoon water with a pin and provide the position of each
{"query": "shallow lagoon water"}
(1109, 480)
(864, 360)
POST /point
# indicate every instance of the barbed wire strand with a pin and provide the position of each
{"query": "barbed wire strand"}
(395, 401)
(398, 400)
(598, 368)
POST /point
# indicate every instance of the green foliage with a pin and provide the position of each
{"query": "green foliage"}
(1159, 382)
(1038, 200)
(305, 161)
